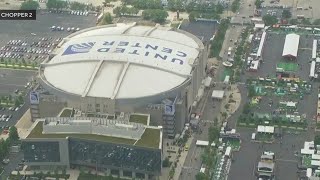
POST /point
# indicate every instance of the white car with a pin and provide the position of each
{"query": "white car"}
(81, 13)
(68, 29)
(72, 12)
(72, 29)
(17, 108)
(78, 13)
(7, 119)
(78, 29)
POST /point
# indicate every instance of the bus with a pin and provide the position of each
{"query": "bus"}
(203, 143)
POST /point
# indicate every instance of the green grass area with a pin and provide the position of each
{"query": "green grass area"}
(86, 176)
(150, 138)
(306, 160)
(40, 176)
(16, 66)
(142, 119)
(226, 72)
(264, 137)
(66, 113)
(234, 144)
(288, 67)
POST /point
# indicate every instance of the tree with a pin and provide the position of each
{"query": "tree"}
(213, 134)
(55, 4)
(219, 8)
(316, 22)
(13, 133)
(286, 14)
(270, 20)
(107, 19)
(235, 6)
(258, 3)
(117, 11)
(317, 140)
(166, 162)
(293, 21)
(51, 4)
(155, 15)
(77, 6)
(192, 16)
(305, 21)
(200, 176)
(29, 5)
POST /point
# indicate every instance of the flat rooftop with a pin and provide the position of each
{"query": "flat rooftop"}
(149, 139)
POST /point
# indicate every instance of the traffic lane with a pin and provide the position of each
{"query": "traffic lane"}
(192, 164)
(15, 159)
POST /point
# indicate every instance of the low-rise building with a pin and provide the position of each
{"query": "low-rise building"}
(125, 149)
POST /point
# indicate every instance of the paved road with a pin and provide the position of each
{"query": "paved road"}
(193, 161)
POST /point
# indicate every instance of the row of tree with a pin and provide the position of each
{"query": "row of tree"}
(5, 144)
(146, 4)
(235, 6)
(55, 5)
(155, 15)
(216, 44)
(125, 11)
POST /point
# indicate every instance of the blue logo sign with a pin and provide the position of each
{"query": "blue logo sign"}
(34, 97)
(169, 109)
(79, 48)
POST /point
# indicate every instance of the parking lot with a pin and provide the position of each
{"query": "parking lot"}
(285, 148)
(272, 55)
(247, 158)
(30, 42)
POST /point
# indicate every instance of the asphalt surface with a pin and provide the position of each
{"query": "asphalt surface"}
(34, 31)
(272, 55)
(41, 27)
(10, 80)
(247, 158)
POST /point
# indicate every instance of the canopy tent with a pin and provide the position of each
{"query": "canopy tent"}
(263, 38)
(291, 46)
(265, 129)
(314, 49)
(217, 94)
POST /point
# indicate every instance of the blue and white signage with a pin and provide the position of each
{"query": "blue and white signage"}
(136, 49)
(34, 97)
(79, 48)
(169, 109)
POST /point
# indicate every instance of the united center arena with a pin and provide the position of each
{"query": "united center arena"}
(129, 68)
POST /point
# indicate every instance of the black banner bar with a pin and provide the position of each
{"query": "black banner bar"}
(18, 14)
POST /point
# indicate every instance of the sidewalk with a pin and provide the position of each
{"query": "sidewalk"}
(182, 160)
(233, 106)
(74, 174)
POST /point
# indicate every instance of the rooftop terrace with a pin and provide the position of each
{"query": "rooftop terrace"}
(150, 138)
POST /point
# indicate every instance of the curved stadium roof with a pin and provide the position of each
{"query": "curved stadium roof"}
(122, 61)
